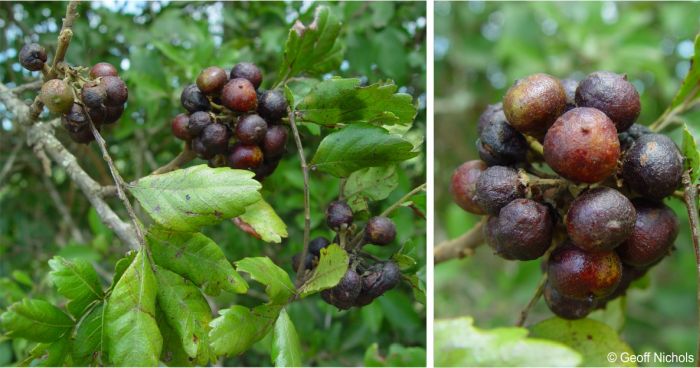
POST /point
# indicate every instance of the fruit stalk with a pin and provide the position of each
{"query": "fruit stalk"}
(307, 207)
(462, 246)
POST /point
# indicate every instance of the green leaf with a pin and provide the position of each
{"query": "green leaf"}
(405, 262)
(341, 101)
(173, 354)
(89, 346)
(35, 320)
(76, 280)
(297, 88)
(121, 266)
(286, 347)
(265, 221)
(187, 199)
(418, 285)
(23, 278)
(593, 339)
(691, 154)
(360, 146)
(398, 356)
(370, 184)
(238, 328)
(261, 269)
(313, 48)
(196, 257)
(459, 343)
(691, 81)
(49, 354)
(186, 311)
(331, 268)
(133, 338)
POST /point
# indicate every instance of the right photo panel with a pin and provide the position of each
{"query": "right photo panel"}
(566, 179)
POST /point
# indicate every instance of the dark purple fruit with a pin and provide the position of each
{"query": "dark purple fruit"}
(380, 230)
(251, 129)
(487, 115)
(75, 120)
(629, 136)
(201, 149)
(653, 166)
(215, 137)
(117, 93)
(239, 95)
(532, 104)
(266, 168)
(272, 105)
(463, 185)
(496, 187)
(245, 157)
(582, 145)
(338, 214)
(193, 100)
(345, 293)
(93, 94)
(579, 274)
(600, 219)
(565, 307)
(500, 144)
(523, 230)
(103, 70)
(113, 113)
(32, 57)
(211, 80)
(198, 121)
(275, 141)
(57, 95)
(653, 235)
(179, 126)
(247, 71)
(84, 136)
(612, 94)
(308, 261)
(317, 244)
(379, 279)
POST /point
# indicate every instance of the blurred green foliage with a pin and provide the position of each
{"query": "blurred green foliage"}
(159, 47)
(480, 50)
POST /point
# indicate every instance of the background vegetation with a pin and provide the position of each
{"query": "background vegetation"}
(159, 47)
(480, 50)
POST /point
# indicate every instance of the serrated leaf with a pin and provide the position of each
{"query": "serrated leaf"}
(370, 184)
(459, 343)
(89, 346)
(238, 328)
(398, 356)
(691, 81)
(286, 347)
(314, 48)
(196, 257)
(188, 199)
(691, 154)
(593, 339)
(297, 88)
(278, 286)
(405, 262)
(359, 146)
(35, 320)
(341, 101)
(186, 311)
(332, 266)
(133, 338)
(76, 280)
(265, 221)
(418, 285)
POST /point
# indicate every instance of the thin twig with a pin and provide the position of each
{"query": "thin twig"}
(183, 158)
(538, 293)
(64, 37)
(31, 86)
(63, 210)
(10, 161)
(307, 205)
(462, 246)
(691, 203)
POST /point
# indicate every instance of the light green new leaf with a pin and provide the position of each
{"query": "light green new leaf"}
(133, 338)
(692, 79)
(286, 347)
(398, 356)
(370, 184)
(196, 257)
(186, 311)
(359, 146)
(331, 268)
(265, 221)
(89, 346)
(35, 320)
(314, 48)
(593, 339)
(121, 266)
(297, 88)
(238, 328)
(459, 343)
(188, 199)
(278, 285)
(76, 280)
(691, 154)
(341, 101)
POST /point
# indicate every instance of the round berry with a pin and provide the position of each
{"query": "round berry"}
(247, 71)
(523, 231)
(496, 187)
(500, 144)
(629, 136)
(533, 104)
(317, 244)
(265, 169)
(75, 119)
(582, 145)
(612, 94)
(487, 115)
(103, 70)
(251, 129)
(32, 57)
(193, 100)
(565, 307)
(343, 295)
(308, 261)
(57, 95)
(83, 136)
(380, 230)
(93, 94)
(275, 142)
(338, 214)
(239, 95)
(198, 121)
(116, 90)
(201, 149)
(379, 279)
(463, 185)
(215, 137)
(653, 166)
(600, 219)
(179, 126)
(272, 105)
(113, 113)
(245, 157)
(579, 274)
(570, 86)
(653, 235)
(211, 80)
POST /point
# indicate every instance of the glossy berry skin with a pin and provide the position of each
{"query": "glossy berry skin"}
(377, 281)
(380, 230)
(308, 261)
(245, 157)
(570, 86)
(463, 185)
(523, 231)
(496, 187)
(248, 71)
(103, 70)
(57, 95)
(272, 105)
(532, 104)
(629, 136)
(193, 100)
(93, 94)
(629, 275)
(116, 90)
(317, 244)
(582, 146)
(215, 137)
(500, 144)
(579, 274)
(612, 94)
(338, 214)
(251, 129)
(179, 126)
(201, 149)
(32, 57)
(567, 308)
(487, 115)
(654, 232)
(275, 141)
(346, 292)
(600, 219)
(653, 166)
(239, 95)
(266, 168)
(198, 121)
(211, 80)
(113, 113)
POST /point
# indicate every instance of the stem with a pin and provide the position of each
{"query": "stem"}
(183, 158)
(533, 301)
(307, 206)
(535, 145)
(691, 203)
(462, 246)
(64, 37)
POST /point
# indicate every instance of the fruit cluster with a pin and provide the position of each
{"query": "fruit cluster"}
(366, 278)
(98, 96)
(602, 209)
(229, 104)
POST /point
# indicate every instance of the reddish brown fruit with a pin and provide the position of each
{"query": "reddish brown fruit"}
(567, 308)
(380, 230)
(275, 141)
(215, 137)
(496, 187)
(246, 157)
(247, 71)
(179, 127)
(239, 95)
(93, 94)
(533, 104)
(579, 274)
(103, 70)
(117, 93)
(523, 231)
(600, 219)
(113, 113)
(251, 129)
(463, 185)
(653, 235)
(211, 80)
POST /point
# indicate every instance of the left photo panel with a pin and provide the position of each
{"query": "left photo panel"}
(213, 184)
